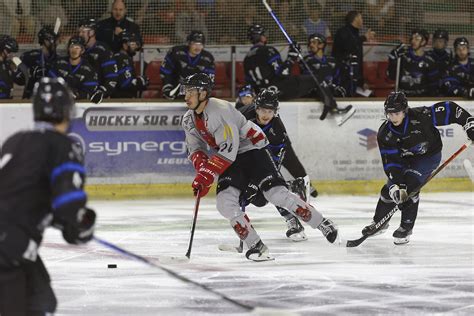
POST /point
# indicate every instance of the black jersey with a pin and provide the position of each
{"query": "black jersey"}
(101, 59)
(442, 58)
(126, 73)
(326, 71)
(416, 137)
(459, 79)
(263, 66)
(35, 61)
(41, 179)
(178, 64)
(82, 79)
(418, 74)
(7, 79)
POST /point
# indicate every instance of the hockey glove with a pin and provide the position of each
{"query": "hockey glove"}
(293, 52)
(199, 159)
(98, 95)
(203, 181)
(398, 193)
(400, 51)
(83, 230)
(469, 127)
(167, 89)
(140, 83)
(339, 92)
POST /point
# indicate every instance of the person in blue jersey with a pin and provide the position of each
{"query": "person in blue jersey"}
(8, 46)
(410, 146)
(41, 184)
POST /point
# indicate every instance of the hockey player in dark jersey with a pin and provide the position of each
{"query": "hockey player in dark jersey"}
(264, 113)
(418, 73)
(459, 80)
(41, 184)
(129, 84)
(81, 78)
(441, 55)
(245, 97)
(324, 67)
(184, 60)
(100, 56)
(8, 45)
(38, 61)
(237, 156)
(410, 146)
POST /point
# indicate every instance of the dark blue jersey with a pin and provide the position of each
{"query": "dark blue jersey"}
(459, 79)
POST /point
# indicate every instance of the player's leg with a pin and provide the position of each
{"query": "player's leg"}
(275, 191)
(296, 169)
(384, 205)
(12, 290)
(41, 298)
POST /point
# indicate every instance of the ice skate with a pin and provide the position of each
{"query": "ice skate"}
(295, 230)
(401, 236)
(367, 230)
(329, 230)
(259, 252)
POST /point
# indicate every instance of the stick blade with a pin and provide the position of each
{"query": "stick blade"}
(346, 116)
(57, 25)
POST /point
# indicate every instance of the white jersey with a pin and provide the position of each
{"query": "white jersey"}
(223, 130)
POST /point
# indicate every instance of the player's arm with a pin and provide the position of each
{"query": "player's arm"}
(280, 68)
(391, 160)
(67, 177)
(110, 70)
(168, 74)
(449, 112)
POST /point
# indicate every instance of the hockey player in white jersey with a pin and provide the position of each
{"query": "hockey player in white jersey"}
(236, 156)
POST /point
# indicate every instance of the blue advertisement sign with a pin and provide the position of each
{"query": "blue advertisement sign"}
(123, 141)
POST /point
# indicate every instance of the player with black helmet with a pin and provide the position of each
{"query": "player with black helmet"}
(99, 55)
(418, 73)
(81, 77)
(459, 80)
(38, 61)
(41, 184)
(410, 146)
(223, 144)
(182, 61)
(324, 67)
(8, 46)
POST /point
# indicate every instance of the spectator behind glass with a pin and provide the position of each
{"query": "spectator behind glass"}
(108, 30)
(16, 17)
(46, 12)
(189, 19)
(314, 23)
(379, 15)
(348, 47)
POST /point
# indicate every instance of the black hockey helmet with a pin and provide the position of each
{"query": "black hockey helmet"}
(460, 41)
(396, 102)
(246, 91)
(76, 40)
(200, 81)
(422, 32)
(441, 34)
(317, 36)
(46, 34)
(267, 99)
(254, 32)
(8, 43)
(52, 100)
(196, 37)
(88, 23)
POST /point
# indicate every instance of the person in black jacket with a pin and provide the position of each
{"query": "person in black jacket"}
(348, 48)
(38, 61)
(410, 146)
(184, 60)
(8, 45)
(99, 55)
(441, 55)
(129, 84)
(108, 30)
(81, 77)
(41, 184)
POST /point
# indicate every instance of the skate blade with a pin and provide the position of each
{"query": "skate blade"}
(298, 237)
(346, 116)
(401, 241)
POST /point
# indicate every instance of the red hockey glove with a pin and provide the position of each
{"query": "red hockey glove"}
(203, 181)
(199, 159)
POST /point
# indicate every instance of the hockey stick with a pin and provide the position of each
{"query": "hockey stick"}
(172, 273)
(193, 228)
(380, 223)
(327, 98)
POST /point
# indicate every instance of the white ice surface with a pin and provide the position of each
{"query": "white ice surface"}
(433, 274)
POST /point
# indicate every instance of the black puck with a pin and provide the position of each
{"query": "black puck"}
(111, 266)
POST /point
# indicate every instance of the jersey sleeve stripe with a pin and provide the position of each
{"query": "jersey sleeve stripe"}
(276, 57)
(389, 151)
(448, 112)
(90, 83)
(390, 165)
(68, 198)
(108, 63)
(67, 167)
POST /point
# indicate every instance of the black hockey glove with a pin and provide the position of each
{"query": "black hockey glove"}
(98, 95)
(339, 91)
(400, 51)
(82, 231)
(167, 92)
(398, 193)
(293, 52)
(140, 83)
(469, 127)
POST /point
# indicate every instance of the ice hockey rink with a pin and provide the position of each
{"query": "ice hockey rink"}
(433, 274)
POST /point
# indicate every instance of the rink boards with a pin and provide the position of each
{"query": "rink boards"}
(139, 149)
